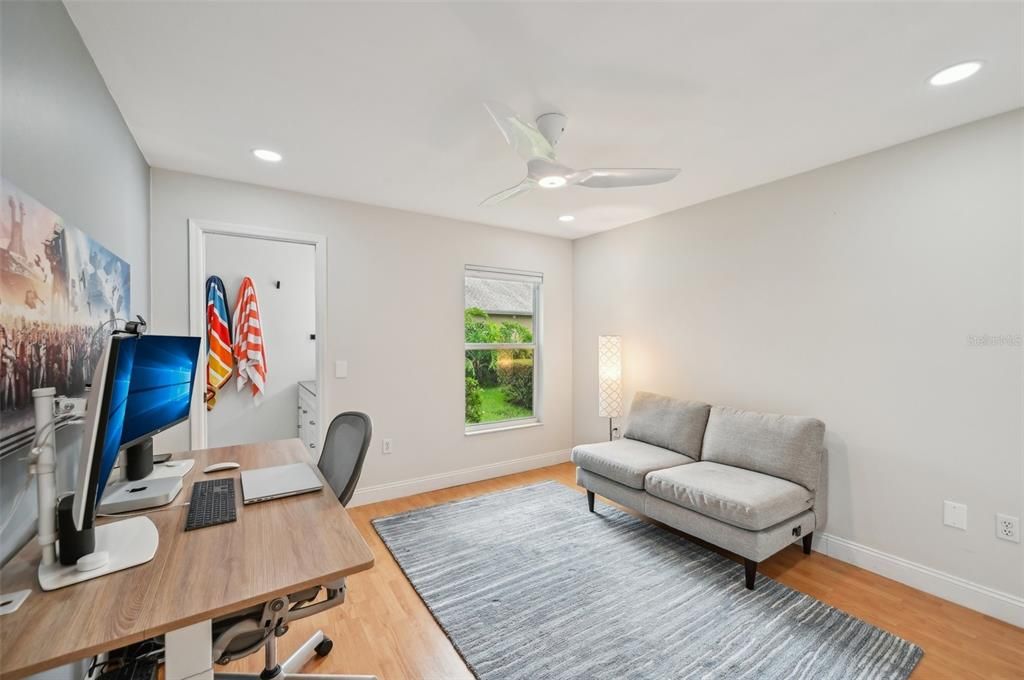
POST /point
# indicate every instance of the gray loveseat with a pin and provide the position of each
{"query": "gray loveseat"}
(751, 483)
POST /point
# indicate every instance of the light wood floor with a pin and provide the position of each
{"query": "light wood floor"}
(385, 629)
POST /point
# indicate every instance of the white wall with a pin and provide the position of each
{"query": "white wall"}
(848, 293)
(287, 317)
(395, 313)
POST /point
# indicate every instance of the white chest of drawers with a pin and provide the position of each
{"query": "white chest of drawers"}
(309, 418)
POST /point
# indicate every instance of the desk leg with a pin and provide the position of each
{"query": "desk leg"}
(189, 652)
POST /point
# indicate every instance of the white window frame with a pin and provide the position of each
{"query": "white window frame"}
(537, 279)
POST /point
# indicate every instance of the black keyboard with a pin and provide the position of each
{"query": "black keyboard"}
(213, 502)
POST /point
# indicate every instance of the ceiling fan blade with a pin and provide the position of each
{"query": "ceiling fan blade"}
(608, 178)
(525, 138)
(511, 192)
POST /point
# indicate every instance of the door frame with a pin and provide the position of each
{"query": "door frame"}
(197, 232)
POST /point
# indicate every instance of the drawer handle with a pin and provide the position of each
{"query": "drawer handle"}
(312, 446)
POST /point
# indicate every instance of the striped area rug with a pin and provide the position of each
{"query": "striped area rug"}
(528, 585)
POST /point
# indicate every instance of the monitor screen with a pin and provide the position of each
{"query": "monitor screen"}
(160, 390)
(117, 388)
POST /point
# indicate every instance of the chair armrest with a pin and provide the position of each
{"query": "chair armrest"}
(335, 597)
(248, 632)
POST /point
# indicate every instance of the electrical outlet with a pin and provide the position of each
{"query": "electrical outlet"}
(386, 447)
(954, 515)
(1008, 528)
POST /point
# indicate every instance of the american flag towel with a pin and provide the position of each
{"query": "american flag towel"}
(250, 352)
(218, 340)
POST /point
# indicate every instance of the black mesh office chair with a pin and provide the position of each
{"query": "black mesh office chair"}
(341, 462)
(246, 632)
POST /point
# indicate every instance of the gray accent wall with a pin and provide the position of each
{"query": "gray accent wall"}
(882, 295)
(63, 140)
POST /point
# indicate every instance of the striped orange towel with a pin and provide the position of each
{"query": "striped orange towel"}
(219, 359)
(250, 352)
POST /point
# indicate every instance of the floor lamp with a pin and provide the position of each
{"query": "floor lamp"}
(609, 378)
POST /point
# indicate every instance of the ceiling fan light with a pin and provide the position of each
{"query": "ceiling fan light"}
(552, 181)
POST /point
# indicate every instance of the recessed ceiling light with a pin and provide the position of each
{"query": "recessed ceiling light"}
(552, 182)
(955, 73)
(566, 218)
(267, 155)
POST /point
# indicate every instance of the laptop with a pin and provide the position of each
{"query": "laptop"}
(278, 481)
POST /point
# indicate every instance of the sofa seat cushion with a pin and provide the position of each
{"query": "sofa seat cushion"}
(626, 461)
(743, 498)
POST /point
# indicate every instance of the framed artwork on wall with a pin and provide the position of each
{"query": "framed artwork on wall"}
(58, 287)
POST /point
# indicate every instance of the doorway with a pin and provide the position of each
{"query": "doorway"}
(288, 271)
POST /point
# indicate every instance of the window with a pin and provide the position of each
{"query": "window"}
(502, 338)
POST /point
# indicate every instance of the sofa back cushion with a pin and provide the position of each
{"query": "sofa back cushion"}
(789, 447)
(670, 423)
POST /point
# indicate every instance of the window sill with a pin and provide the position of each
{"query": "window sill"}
(504, 428)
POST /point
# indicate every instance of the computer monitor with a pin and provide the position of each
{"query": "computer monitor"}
(160, 391)
(104, 420)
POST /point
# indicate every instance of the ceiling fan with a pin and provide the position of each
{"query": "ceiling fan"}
(536, 145)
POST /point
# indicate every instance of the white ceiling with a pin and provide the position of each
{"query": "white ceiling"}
(381, 103)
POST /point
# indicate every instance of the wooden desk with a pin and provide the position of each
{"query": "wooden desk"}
(275, 548)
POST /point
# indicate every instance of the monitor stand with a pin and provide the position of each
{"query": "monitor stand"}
(138, 464)
(172, 468)
(119, 545)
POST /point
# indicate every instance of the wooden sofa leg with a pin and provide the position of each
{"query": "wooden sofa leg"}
(807, 543)
(750, 567)
(590, 500)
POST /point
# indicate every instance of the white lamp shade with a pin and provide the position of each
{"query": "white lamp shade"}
(609, 376)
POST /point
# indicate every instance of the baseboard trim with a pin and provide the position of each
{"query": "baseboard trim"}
(995, 603)
(443, 480)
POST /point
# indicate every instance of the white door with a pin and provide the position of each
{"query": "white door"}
(288, 316)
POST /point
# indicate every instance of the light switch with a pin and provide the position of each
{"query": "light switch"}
(954, 515)
(340, 369)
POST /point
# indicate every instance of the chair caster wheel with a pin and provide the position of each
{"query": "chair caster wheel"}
(324, 648)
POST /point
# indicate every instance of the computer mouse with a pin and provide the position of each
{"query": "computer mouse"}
(217, 467)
